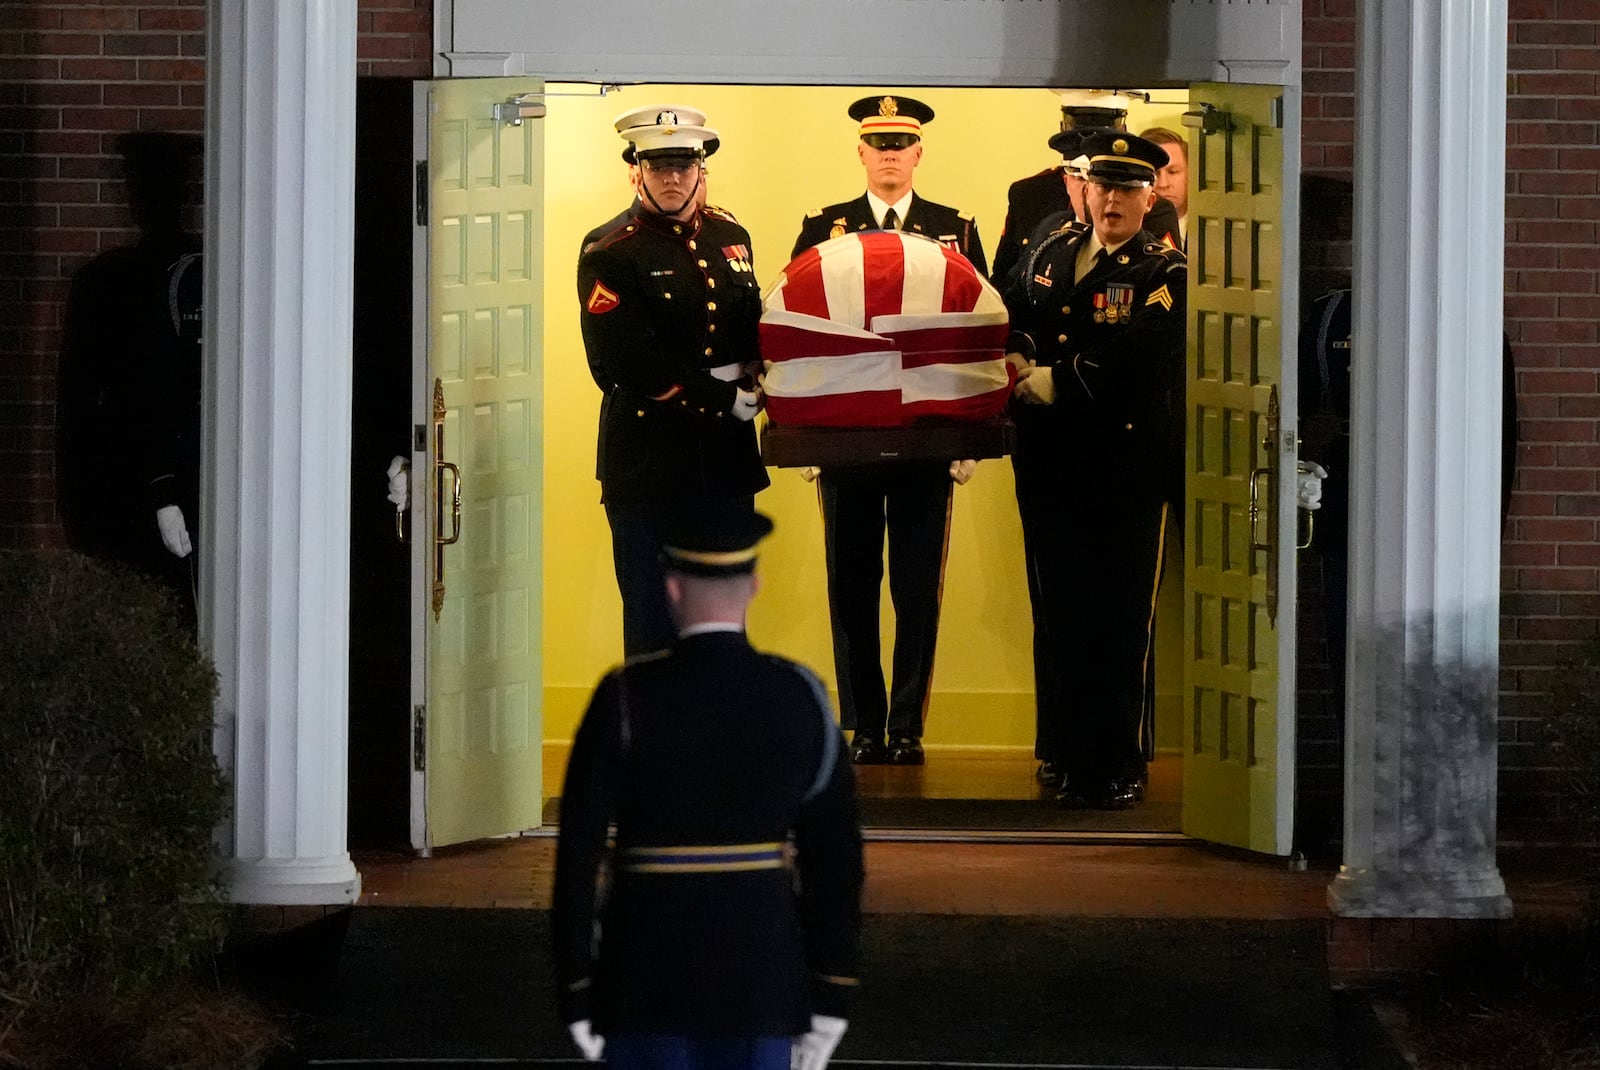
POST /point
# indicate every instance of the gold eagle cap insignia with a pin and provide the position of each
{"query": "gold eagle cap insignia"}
(888, 106)
(1119, 146)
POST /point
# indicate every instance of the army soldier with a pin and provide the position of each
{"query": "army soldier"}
(1033, 203)
(910, 500)
(669, 311)
(718, 946)
(1098, 316)
(890, 149)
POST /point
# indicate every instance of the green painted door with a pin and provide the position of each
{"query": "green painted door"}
(1238, 731)
(482, 398)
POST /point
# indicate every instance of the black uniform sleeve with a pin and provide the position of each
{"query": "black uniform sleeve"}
(813, 232)
(587, 804)
(1009, 251)
(626, 349)
(829, 862)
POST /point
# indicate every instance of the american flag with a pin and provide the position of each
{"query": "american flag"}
(883, 329)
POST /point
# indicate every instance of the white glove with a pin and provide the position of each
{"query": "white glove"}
(1308, 485)
(746, 404)
(811, 1051)
(961, 471)
(593, 1047)
(810, 473)
(174, 532)
(400, 483)
(1017, 361)
(1036, 385)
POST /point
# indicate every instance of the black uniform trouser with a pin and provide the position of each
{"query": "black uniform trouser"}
(1094, 561)
(913, 503)
(636, 530)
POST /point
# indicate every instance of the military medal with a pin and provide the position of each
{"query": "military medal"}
(738, 257)
(836, 232)
(1119, 303)
(1100, 308)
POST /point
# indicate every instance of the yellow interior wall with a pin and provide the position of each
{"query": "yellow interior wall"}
(786, 150)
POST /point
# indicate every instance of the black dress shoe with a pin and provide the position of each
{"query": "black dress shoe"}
(867, 749)
(1120, 793)
(1049, 774)
(1070, 794)
(905, 750)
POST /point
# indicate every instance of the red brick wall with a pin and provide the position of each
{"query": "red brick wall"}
(1551, 557)
(74, 76)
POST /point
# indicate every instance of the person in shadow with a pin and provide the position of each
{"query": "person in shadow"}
(128, 404)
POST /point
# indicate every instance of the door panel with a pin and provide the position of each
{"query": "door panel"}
(1238, 733)
(482, 731)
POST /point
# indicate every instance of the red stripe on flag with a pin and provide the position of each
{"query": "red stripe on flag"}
(875, 408)
(961, 286)
(884, 271)
(803, 291)
(780, 342)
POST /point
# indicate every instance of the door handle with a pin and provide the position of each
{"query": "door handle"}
(440, 465)
(455, 504)
(1256, 475)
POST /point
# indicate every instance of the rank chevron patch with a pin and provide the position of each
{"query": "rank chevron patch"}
(603, 300)
(1160, 296)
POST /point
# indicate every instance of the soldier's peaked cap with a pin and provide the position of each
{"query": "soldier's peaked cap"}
(1082, 108)
(1123, 159)
(714, 542)
(665, 130)
(891, 114)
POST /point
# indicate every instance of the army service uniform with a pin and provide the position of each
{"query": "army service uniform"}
(1094, 471)
(944, 224)
(911, 502)
(710, 924)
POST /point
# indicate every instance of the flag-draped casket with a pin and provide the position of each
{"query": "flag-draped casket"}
(883, 329)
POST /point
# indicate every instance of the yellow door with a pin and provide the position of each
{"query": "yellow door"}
(479, 731)
(1238, 732)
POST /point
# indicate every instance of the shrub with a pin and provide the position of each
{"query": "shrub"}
(109, 792)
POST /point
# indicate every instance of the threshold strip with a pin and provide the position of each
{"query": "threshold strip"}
(878, 834)
(934, 1064)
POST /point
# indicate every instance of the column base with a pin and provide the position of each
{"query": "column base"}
(331, 881)
(1370, 893)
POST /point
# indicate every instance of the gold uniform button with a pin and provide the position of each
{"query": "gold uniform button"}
(1024, 241)
(702, 263)
(691, 243)
(708, 351)
(666, 297)
(1061, 338)
(1127, 427)
(679, 230)
(711, 284)
(1066, 310)
(711, 327)
(711, 306)
(639, 413)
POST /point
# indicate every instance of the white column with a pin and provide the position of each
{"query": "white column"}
(279, 239)
(1422, 679)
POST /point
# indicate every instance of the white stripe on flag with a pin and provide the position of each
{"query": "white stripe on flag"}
(782, 317)
(810, 377)
(843, 266)
(895, 324)
(923, 289)
(950, 382)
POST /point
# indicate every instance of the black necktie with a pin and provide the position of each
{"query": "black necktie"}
(890, 220)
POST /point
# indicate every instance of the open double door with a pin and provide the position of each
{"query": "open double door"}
(476, 561)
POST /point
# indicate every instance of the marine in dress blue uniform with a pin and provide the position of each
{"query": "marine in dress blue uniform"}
(908, 500)
(669, 307)
(1040, 204)
(726, 932)
(1098, 311)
